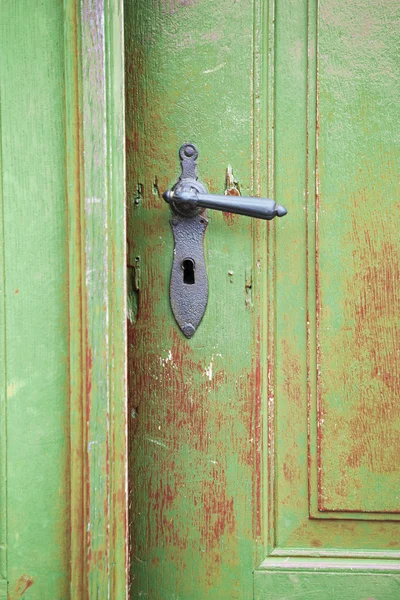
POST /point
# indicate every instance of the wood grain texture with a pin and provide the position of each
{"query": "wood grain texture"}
(190, 522)
(3, 383)
(312, 579)
(195, 462)
(296, 466)
(96, 169)
(63, 354)
(358, 302)
(35, 298)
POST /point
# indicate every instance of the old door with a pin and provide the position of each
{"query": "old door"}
(264, 450)
(62, 302)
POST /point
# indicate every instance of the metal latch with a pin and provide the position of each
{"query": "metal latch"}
(189, 200)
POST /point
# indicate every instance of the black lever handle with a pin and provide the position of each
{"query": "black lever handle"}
(260, 208)
(188, 199)
(188, 196)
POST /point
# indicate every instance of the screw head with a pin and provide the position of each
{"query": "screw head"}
(188, 330)
(189, 150)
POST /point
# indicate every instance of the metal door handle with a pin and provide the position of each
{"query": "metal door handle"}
(188, 199)
(188, 196)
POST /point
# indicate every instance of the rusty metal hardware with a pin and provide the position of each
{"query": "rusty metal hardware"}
(189, 199)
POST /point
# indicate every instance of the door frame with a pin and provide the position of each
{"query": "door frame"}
(95, 142)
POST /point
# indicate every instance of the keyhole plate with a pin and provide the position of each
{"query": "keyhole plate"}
(189, 283)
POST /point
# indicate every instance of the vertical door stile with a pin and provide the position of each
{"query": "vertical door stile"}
(94, 68)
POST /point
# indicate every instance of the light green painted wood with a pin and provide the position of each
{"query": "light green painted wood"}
(63, 523)
(36, 298)
(319, 578)
(296, 476)
(100, 273)
(300, 97)
(358, 164)
(194, 445)
(3, 397)
(94, 69)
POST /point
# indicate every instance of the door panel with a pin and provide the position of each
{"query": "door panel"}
(34, 414)
(63, 517)
(267, 442)
(345, 313)
(194, 444)
(357, 298)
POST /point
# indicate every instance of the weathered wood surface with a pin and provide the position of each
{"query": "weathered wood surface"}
(63, 522)
(194, 445)
(95, 106)
(312, 579)
(273, 432)
(357, 291)
(35, 296)
(349, 126)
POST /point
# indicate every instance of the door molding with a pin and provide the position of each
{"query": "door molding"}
(95, 141)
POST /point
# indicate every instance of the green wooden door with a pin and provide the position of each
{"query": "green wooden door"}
(62, 309)
(34, 310)
(264, 451)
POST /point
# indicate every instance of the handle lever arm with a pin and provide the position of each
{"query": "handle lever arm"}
(260, 208)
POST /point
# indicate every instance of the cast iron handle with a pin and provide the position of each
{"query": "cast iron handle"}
(190, 199)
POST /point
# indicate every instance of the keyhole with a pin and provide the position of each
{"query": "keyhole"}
(188, 267)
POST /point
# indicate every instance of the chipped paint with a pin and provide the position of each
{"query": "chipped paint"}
(209, 371)
(214, 69)
(231, 189)
(157, 442)
(357, 299)
(13, 388)
(206, 505)
(23, 584)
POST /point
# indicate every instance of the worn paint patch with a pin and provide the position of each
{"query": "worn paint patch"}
(214, 69)
(13, 388)
(23, 584)
(358, 378)
(231, 189)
